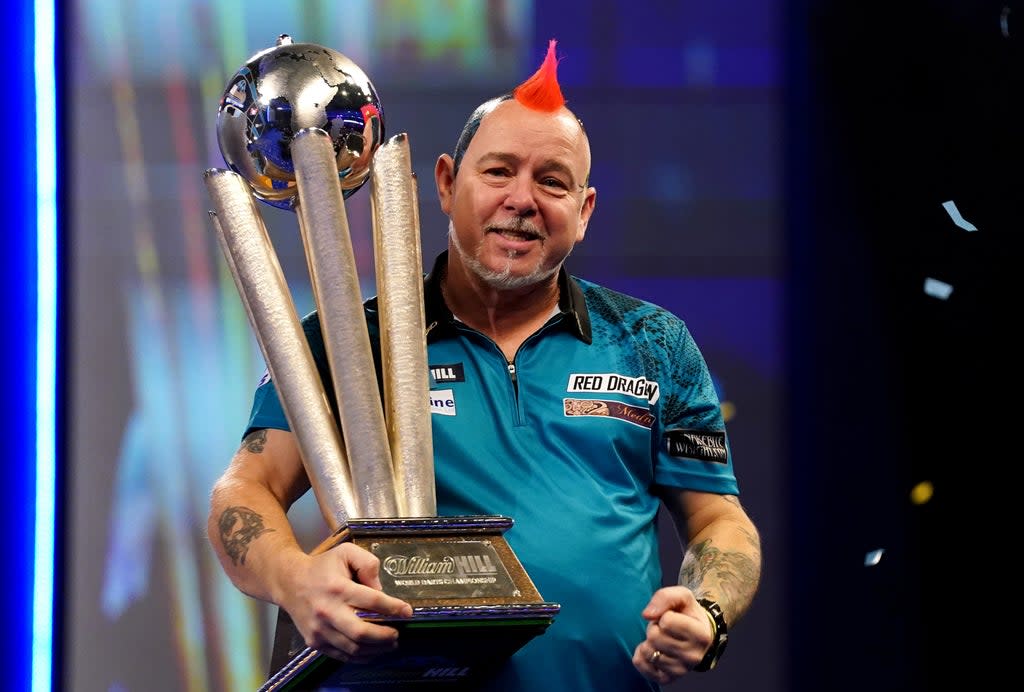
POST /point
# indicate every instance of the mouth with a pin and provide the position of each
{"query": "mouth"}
(520, 235)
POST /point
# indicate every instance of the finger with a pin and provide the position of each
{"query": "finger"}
(667, 599)
(649, 661)
(663, 665)
(372, 600)
(362, 564)
(690, 625)
(366, 592)
(641, 660)
(352, 652)
(363, 652)
(356, 639)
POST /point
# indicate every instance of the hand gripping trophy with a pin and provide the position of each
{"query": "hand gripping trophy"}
(301, 128)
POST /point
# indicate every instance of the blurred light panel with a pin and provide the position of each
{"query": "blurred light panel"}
(46, 344)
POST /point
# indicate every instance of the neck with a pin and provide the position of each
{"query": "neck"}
(506, 316)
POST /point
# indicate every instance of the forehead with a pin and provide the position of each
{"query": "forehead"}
(511, 128)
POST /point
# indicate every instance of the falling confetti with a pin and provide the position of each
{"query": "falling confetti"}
(873, 557)
(937, 289)
(728, 410)
(922, 492)
(959, 220)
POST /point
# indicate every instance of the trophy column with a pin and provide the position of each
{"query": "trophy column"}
(301, 128)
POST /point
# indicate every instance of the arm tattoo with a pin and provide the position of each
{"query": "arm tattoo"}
(240, 526)
(728, 577)
(697, 562)
(255, 441)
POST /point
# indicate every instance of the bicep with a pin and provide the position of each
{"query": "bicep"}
(271, 458)
(693, 511)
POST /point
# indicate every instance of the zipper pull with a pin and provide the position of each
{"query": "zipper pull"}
(512, 371)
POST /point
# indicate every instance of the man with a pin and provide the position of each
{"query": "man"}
(577, 409)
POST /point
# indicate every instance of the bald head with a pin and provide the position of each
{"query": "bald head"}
(482, 111)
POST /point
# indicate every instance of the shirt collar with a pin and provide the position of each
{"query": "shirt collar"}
(571, 304)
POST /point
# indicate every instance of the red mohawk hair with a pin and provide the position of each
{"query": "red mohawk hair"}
(541, 91)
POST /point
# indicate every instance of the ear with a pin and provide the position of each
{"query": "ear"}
(444, 179)
(589, 200)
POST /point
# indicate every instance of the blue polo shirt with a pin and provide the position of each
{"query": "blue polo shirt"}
(609, 397)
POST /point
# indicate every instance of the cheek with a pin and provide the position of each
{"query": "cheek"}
(566, 217)
(468, 206)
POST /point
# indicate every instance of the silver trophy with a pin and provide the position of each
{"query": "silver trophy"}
(298, 126)
(301, 128)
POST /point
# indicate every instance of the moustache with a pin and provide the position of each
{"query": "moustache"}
(519, 225)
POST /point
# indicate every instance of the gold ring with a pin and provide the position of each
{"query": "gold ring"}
(653, 659)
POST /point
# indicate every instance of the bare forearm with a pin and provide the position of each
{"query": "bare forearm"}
(724, 564)
(252, 537)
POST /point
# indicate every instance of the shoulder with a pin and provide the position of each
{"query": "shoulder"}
(311, 320)
(612, 311)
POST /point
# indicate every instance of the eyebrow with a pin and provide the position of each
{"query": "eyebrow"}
(550, 165)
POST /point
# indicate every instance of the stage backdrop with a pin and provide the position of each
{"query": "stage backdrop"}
(682, 104)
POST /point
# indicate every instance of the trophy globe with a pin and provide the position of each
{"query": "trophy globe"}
(283, 90)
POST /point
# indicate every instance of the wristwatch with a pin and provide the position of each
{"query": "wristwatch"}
(719, 635)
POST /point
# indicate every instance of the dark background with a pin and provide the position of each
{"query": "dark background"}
(893, 109)
(773, 172)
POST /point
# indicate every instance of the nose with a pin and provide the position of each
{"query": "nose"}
(519, 197)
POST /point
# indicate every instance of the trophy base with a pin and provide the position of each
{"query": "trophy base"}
(473, 607)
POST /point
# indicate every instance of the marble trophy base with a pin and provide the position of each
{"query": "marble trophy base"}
(473, 607)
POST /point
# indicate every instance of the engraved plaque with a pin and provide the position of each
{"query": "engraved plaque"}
(450, 568)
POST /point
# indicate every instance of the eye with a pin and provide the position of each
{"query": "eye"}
(498, 172)
(553, 182)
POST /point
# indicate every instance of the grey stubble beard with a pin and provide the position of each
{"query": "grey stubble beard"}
(503, 279)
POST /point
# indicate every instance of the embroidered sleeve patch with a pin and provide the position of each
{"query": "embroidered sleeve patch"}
(701, 445)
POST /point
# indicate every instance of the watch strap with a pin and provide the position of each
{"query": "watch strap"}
(720, 635)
